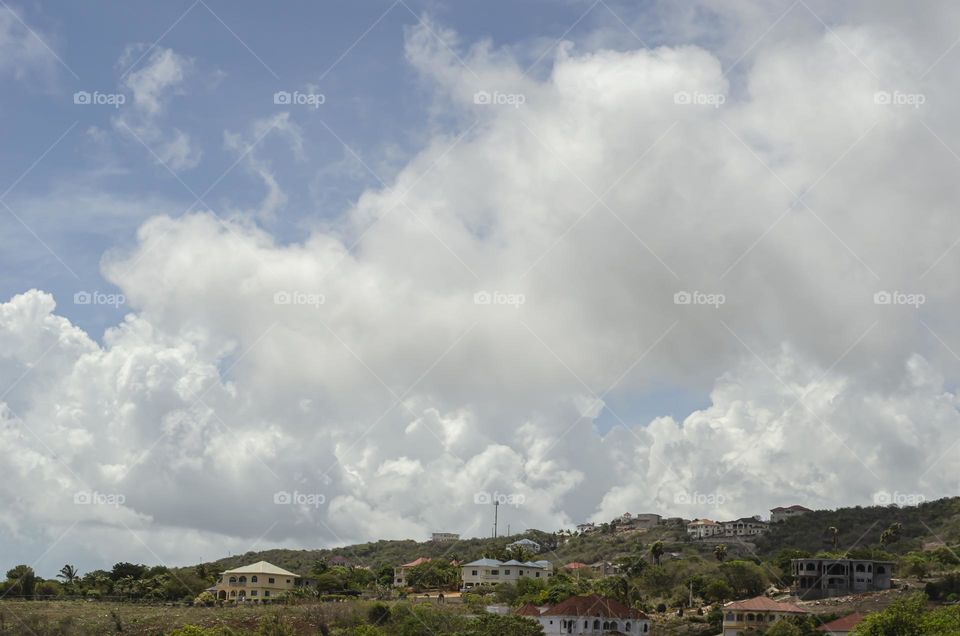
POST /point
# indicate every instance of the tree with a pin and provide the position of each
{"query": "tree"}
(519, 553)
(495, 625)
(903, 617)
(436, 573)
(22, 581)
(656, 551)
(784, 628)
(746, 578)
(834, 537)
(891, 534)
(720, 552)
(127, 570)
(69, 574)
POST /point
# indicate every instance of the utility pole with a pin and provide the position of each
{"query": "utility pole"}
(496, 510)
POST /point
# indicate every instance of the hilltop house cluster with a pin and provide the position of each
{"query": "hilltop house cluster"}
(699, 529)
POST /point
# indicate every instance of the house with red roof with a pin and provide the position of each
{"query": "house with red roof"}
(842, 626)
(591, 614)
(400, 572)
(743, 617)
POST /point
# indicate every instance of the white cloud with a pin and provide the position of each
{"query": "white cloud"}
(356, 364)
(22, 53)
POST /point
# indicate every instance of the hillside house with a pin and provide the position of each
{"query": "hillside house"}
(820, 578)
(591, 614)
(444, 537)
(704, 529)
(400, 572)
(493, 571)
(526, 544)
(780, 513)
(755, 615)
(259, 582)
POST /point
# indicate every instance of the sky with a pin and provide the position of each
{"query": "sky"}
(313, 274)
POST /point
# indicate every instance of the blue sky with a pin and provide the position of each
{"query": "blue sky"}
(794, 159)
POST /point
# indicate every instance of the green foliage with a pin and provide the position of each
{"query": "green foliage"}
(784, 628)
(909, 617)
(205, 599)
(378, 614)
(494, 625)
(434, 574)
(274, 624)
(942, 589)
(21, 581)
(746, 578)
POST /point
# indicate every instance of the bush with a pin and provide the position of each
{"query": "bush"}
(205, 599)
(378, 614)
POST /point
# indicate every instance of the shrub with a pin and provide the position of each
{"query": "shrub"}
(378, 614)
(205, 599)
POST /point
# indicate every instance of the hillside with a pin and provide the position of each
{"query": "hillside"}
(859, 527)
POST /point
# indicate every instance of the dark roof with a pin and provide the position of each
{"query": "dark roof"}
(527, 610)
(795, 508)
(845, 624)
(593, 605)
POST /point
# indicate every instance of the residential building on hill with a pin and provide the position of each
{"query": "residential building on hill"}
(646, 520)
(400, 572)
(780, 513)
(444, 537)
(592, 614)
(526, 544)
(704, 528)
(743, 527)
(755, 615)
(493, 571)
(842, 626)
(258, 582)
(821, 578)
(584, 528)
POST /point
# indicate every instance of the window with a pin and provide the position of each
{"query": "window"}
(233, 579)
(288, 580)
(538, 575)
(253, 579)
(474, 573)
(270, 580)
(596, 624)
(253, 592)
(627, 627)
(495, 572)
(233, 592)
(243, 579)
(266, 592)
(506, 572)
(729, 617)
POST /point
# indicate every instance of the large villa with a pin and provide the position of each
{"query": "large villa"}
(258, 582)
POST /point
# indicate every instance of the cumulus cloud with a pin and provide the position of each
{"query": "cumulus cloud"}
(608, 230)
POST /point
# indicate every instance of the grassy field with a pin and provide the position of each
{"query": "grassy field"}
(81, 618)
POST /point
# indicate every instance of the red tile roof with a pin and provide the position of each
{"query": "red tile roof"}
(527, 610)
(845, 624)
(415, 563)
(764, 604)
(593, 605)
(576, 565)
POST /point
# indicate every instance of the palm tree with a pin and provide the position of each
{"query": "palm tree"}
(69, 574)
(720, 552)
(834, 537)
(656, 551)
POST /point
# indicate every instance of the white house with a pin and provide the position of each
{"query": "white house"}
(526, 544)
(704, 528)
(780, 513)
(493, 571)
(591, 614)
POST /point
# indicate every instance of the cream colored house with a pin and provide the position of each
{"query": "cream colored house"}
(259, 582)
(755, 615)
(493, 571)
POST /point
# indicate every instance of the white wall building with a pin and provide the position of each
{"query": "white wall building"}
(494, 571)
